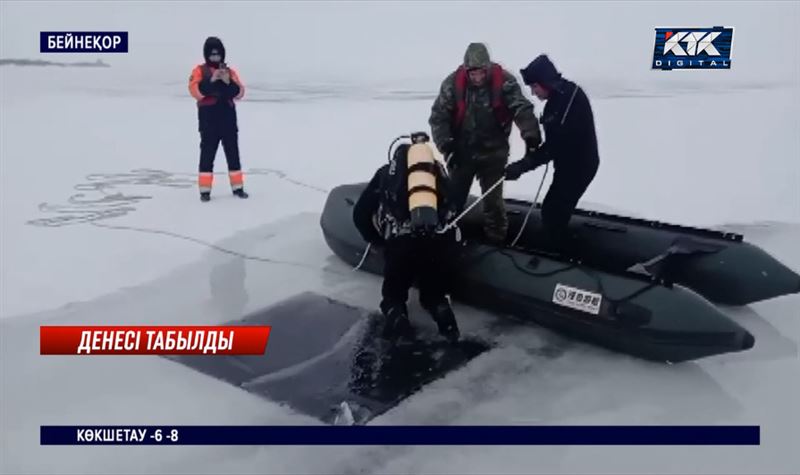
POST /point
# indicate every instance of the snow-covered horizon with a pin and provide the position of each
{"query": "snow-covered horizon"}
(333, 41)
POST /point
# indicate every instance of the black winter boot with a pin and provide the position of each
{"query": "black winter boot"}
(241, 193)
(205, 196)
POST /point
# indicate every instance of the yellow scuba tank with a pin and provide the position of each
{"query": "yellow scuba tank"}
(422, 193)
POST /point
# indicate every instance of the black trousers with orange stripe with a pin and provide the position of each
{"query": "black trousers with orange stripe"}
(209, 143)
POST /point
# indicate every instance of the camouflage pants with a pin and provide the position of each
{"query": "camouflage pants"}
(488, 169)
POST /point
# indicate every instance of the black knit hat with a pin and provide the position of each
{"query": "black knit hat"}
(213, 43)
(541, 70)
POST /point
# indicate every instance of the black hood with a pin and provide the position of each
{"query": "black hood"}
(212, 42)
(542, 71)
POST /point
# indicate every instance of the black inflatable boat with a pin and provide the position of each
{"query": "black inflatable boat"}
(639, 287)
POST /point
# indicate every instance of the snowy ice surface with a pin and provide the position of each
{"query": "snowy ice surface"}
(695, 159)
(702, 149)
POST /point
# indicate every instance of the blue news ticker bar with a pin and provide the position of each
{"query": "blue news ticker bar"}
(400, 435)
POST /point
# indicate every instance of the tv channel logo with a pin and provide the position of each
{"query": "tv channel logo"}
(693, 48)
(83, 42)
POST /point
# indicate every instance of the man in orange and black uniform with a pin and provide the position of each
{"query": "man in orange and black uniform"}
(215, 86)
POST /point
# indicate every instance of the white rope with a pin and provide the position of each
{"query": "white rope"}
(363, 258)
(452, 223)
(455, 221)
(566, 111)
(536, 198)
(528, 215)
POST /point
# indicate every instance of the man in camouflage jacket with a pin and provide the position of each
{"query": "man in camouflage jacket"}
(471, 122)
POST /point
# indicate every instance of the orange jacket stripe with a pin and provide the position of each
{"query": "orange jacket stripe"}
(235, 78)
(194, 82)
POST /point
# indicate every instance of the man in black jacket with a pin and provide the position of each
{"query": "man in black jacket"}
(570, 143)
(411, 254)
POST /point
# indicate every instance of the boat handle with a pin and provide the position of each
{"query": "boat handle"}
(606, 227)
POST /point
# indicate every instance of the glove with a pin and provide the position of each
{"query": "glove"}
(516, 169)
(532, 144)
(447, 146)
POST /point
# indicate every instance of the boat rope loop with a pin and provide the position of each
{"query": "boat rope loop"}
(588, 271)
(573, 264)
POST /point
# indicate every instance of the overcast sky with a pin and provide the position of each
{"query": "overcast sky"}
(385, 40)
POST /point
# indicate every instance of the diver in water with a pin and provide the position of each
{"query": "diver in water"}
(404, 210)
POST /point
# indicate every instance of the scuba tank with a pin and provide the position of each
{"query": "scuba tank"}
(422, 193)
(414, 175)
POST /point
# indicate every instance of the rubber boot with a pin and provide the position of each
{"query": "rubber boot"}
(397, 323)
(446, 321)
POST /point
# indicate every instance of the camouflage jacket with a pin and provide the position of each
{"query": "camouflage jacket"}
(480, 132)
